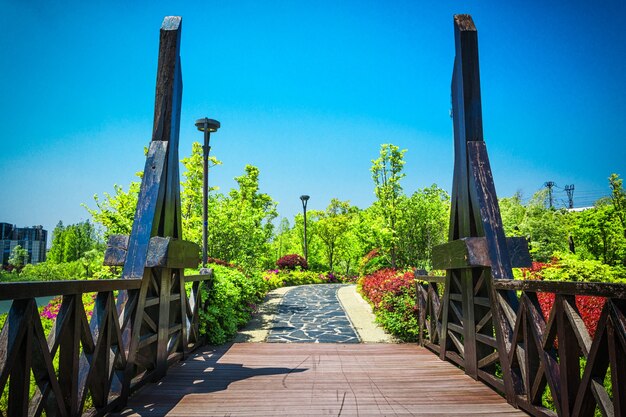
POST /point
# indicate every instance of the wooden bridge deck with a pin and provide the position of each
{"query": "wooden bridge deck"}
(272, 379)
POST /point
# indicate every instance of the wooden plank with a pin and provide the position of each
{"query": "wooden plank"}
(317, 379)
(204, 277)
(25, 290)
(601, 289)
(569, 359)
(150, 201)
(163, 252)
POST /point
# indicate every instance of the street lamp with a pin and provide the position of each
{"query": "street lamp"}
(305, 199)
(207, 126)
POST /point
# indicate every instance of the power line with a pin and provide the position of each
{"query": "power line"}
(569, 189)
(549, 185)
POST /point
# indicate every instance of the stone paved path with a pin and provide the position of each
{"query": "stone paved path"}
(312, 314)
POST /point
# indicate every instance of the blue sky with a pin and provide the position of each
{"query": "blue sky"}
(306, 91)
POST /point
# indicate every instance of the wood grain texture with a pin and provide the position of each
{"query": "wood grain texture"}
(472, 252)
(163, 252)
(315, 380)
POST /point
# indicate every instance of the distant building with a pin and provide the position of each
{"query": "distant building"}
(33, 239)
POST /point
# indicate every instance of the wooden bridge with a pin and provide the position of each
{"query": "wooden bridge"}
(477, 317)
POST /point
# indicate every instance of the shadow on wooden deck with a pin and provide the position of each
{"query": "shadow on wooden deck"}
(264, 379)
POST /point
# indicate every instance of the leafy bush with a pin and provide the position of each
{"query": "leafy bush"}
(569, 268)
(276, 278)
(229, 300)
(373, 261)
(291, 262)
(392, 295)
(283, 278)
(223, 263)
(48, 271)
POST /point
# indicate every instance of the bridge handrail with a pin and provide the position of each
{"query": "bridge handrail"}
(30, 289)
(78, 342)
(559, 352)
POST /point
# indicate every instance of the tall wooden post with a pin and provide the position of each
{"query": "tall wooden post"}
(471, 331)
(153, 327)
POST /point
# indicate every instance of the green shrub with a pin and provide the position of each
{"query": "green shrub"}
(229, 300)
(568, 268)
(373, 261)
(398, 315)
(48, 271)
(392, 295)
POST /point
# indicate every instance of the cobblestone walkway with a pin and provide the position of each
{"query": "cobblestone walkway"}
(312, 314)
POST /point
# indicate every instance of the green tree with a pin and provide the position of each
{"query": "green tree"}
(281, 240)
(387, 172)
(18, 257)
(332, 226)
(513, 213)
(56, 252)
(71, 242)
(240, 225)
(191, 193)
(116, 212)
(422, 224)
(618, 197)
(547, 230)
(599, 235)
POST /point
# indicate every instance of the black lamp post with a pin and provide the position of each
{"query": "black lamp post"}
(207, 126)
(305, 199)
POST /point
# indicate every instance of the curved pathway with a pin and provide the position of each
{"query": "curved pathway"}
(312, 314)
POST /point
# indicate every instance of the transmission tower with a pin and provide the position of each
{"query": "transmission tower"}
(549, 185)
(569, 189)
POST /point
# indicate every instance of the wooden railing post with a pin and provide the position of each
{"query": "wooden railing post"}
(155, 327)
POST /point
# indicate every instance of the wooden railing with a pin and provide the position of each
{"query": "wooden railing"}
(491, 325)
(555, 356)
(82, 363)
(140, 323)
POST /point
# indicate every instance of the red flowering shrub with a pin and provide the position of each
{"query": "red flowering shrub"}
(589, 307)
(291, 262)
(217, 261)
(375, 286)
(393, 295)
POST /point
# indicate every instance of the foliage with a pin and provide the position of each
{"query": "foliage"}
(287, 278)
(18, 257)
(332, 226)
(116, 212)
(49, 271)
(229, 300)
(387, 172)
(422, 224)
(240, 224)
(89, 266)
(618, 198)
(566, 267)
(372, 261)
(71, 243)
(596, 233)
(191, 193)
(292, 262)
(512, 212)
(393, 297)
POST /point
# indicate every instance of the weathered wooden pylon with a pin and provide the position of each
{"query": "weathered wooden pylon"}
(478, 251)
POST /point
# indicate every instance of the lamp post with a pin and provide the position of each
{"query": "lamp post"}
(207, 126)
(305, 199)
